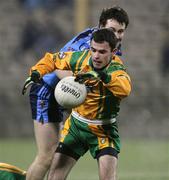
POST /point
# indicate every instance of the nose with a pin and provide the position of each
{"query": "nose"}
(96, 55)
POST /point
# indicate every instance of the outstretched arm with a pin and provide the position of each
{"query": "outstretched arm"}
(61, 74)
(47, 64)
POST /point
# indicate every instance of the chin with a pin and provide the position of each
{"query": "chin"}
(97, 67)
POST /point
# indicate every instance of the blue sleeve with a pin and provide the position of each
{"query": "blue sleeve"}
(80, 42)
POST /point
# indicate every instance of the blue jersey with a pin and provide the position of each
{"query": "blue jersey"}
(78, 43)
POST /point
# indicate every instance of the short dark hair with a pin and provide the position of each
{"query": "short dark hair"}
(107, 35)
(117, 13)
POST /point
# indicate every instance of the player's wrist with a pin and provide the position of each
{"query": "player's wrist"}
(35, 76)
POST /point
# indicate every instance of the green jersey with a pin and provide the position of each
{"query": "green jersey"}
(10, 172)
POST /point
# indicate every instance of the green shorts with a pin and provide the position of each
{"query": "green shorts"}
(78, 137)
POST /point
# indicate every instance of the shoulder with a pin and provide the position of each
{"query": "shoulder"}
(116, 65)
(11, 168)
(117, 59)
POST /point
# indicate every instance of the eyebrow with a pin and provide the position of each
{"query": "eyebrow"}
(115, 29)
(100, 50)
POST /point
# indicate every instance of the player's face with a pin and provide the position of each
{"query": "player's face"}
(101, 54)
(117, 28)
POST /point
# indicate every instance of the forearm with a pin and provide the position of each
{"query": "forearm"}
(45, 65)
(63, 73)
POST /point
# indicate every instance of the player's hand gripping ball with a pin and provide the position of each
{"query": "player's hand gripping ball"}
(69, 93)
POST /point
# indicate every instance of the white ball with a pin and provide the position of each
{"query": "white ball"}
(69, 93)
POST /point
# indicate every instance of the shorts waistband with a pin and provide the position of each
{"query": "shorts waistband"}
(92, 121)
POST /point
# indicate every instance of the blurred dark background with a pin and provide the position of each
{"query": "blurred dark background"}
(29, 28)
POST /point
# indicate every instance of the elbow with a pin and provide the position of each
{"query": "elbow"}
(126, 87)
(125, 92)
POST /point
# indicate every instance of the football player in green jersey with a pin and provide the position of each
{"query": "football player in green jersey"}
(10, 172)
(92, 125)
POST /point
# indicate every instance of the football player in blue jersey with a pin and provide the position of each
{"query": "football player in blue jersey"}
(46, 113)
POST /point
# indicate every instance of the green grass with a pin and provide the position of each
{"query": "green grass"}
(139, 160)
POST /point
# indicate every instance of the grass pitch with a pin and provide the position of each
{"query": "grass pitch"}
(138, 160)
